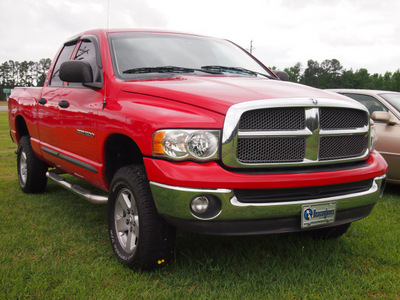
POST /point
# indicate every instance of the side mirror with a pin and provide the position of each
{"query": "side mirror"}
(385, 117)
(76, 71)
(282, 75)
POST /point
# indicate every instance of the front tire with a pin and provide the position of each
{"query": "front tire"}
(140, 238)
(31, 170)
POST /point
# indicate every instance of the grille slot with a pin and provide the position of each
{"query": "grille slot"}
(291, 118)
(337, 147)
(342, 118)
(270, 150)
(302, 193)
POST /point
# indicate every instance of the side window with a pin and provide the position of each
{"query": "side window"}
(87, 52)
(370, 102)
(65, 55)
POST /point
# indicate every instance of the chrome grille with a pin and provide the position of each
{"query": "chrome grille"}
(263, 133)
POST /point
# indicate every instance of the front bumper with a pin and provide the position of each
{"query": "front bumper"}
(263, 226)
(229, 215)
(235, 218)
(175, 202)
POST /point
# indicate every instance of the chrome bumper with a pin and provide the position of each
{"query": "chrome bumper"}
(173, 201)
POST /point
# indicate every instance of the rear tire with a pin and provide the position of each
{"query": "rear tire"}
(31, 170)
(140, 238)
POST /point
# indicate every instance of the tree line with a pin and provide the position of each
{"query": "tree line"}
(328, 74)
(26, 74)
(331, 74)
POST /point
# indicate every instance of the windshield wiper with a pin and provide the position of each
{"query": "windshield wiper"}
(237, 70)
(167, 69)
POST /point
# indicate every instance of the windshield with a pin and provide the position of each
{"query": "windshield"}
(138, 53)
(393, 99)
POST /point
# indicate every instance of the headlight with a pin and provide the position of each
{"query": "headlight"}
(373, 137)
(186, 144)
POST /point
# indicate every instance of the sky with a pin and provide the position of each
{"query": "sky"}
(358, 33)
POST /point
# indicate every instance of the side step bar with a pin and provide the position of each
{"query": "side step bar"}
(80, 191)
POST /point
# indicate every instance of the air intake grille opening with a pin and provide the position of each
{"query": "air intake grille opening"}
(292, 118)
(270, 150)
(337, 147)
(302, 193)
(342, 118)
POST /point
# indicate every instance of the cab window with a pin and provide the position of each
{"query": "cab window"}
(87, 52)
(65, 55)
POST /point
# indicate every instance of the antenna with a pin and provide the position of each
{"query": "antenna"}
(104, 79)
(251, 47)
(108, 13)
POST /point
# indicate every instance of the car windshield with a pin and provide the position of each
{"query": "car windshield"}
(139, 54)
(393, 99)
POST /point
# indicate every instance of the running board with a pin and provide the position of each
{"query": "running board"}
(80, 191)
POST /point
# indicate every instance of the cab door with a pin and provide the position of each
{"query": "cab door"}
(48, 107)
(78, 112)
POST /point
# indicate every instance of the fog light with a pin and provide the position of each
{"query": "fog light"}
(200, 204)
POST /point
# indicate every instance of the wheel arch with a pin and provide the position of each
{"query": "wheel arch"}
(120, 150)
(21, 128)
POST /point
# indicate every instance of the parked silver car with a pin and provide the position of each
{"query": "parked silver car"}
(384, 108)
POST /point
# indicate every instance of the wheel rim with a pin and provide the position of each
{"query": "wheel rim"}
(23, 168)
(127, 221)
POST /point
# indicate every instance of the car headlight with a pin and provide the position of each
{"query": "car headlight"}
(183, 144)
(373, 137)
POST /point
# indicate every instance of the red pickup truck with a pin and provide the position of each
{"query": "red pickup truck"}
(191, 132)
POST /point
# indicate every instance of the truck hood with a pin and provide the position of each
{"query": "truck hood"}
(219, 93)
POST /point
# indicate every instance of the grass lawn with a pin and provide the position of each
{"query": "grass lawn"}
(55, 245)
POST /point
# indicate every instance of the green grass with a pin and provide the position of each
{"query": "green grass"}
(56, 246)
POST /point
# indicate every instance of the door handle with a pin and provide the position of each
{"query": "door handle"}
(42, 101)
(63, 104)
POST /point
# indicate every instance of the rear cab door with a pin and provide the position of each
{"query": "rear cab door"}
(48, 104)
(68, 122)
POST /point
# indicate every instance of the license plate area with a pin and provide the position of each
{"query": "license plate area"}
(313, 215)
